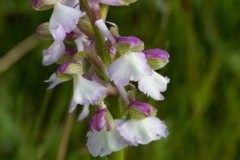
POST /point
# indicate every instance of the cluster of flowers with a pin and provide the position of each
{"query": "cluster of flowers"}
(103, 64)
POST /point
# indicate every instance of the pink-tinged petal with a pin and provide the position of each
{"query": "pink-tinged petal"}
(84, 113)
(53, 80)
(63, 20)
(53, 53)
(143, 131)
(103, 28)
(117, 2)
(130, 66)
(86, 91)
(153, 85)
(104, 142)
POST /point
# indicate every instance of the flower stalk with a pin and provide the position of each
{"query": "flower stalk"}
(117, 155)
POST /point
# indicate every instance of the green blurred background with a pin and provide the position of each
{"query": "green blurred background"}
(202, 103)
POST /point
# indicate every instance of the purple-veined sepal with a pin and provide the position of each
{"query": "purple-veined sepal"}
(140, 110)
(42, 31)
(130, 43)
(157, 58)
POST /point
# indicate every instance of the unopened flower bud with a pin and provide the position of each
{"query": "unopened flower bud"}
(141, 110)
(44, 4)
(100, 120)
(157, 58)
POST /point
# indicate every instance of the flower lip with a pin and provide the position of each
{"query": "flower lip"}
(133, 41)
(156, 53)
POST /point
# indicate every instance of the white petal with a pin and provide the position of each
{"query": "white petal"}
(53, 80)
(143, 131)
(84, 113)
(104, 142)
(53, 53)
(153, 85)
(63, 20)
(86, 91)
(131, 66)
(79, 43)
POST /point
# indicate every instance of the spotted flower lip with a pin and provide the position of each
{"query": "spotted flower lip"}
(143, 131)
(156, 53)
(103, 142)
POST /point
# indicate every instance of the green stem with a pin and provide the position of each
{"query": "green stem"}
(117, 155)
(102, 53)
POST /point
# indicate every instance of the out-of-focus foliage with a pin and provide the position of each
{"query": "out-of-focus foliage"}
(201, 106)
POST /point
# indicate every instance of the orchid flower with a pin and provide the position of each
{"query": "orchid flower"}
(104, 138)
(63, 20)
(143, 127)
